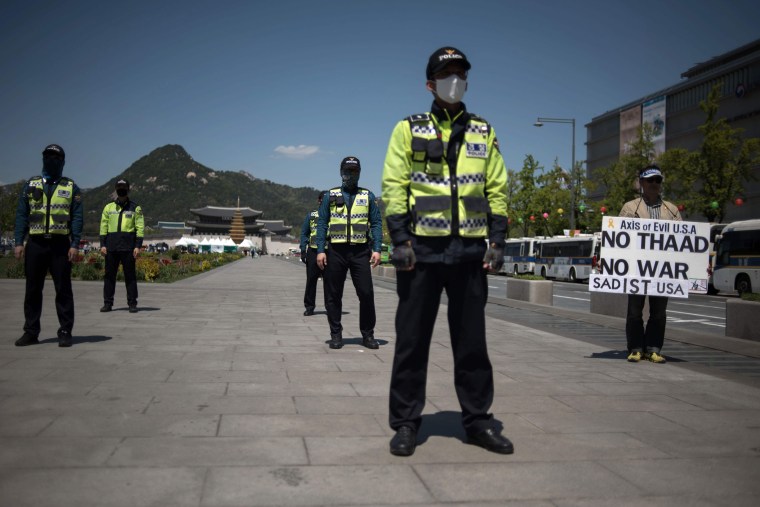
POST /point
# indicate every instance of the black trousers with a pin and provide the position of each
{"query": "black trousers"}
(127, 260)
(340, 260)
(419, 293)
(40, 257)
(651, 339)
(312, 275)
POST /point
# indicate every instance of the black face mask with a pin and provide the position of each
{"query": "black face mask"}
(52, 168)
(122, 192)
(350, 179)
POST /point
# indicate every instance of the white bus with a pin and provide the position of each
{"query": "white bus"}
(520, 256)
(715, 230)
(737, 260)
(568, 258)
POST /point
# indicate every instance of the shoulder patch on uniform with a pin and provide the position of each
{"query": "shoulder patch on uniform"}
(419, 117)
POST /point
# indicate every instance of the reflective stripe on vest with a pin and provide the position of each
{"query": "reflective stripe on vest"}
(313, 218)
(53, 216)
(345, 228)
(431, 182)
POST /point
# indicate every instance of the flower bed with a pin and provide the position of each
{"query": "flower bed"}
(150, 267)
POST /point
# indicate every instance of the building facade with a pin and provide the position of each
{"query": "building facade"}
(675, 117)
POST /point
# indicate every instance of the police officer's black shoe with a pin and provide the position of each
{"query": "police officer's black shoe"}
(27, 339)
(132, 308)
(309, 312)
(64, 338)
(370, 342)
(491, 440)
(105, 308)
(404, 442)
(336, 341)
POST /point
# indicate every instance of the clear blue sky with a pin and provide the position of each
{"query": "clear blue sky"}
(285, 89)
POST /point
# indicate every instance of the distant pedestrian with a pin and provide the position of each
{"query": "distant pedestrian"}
(309, 257)
(648, 341)
(355, 235)
(50, 210)
(445, 186)
(121, 237)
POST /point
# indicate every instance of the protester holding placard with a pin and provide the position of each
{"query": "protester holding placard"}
(648, 341)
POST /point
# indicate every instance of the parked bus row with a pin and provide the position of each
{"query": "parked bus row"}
(560, 257)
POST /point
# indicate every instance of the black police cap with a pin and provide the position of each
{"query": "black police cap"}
(54, 149)
(442, 57)
(350, 163)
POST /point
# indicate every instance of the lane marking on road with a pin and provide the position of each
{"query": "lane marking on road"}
(568, 297)
(697, 315)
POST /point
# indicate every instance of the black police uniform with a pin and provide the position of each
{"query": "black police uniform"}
(354, 258)
(46, 252)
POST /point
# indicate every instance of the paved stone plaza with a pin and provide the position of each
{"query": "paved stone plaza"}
(220, 393)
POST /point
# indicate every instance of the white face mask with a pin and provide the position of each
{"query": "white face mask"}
(451, 90)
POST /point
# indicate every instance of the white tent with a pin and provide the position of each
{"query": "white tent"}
(246, 244)
(185, 241)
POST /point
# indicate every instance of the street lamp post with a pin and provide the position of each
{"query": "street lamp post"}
(540, 123)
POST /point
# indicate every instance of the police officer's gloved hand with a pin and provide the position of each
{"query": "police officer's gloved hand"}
(403, 257)
(303, 256)
(494, 257)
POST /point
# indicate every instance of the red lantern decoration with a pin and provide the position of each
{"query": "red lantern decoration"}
(532, 218)
(681, 207)
(546, 215)
(603, 209)
(739, 201)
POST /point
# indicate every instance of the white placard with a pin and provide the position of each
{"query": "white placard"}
(652, 257)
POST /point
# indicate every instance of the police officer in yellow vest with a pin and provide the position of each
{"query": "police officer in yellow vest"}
(445, 184)
(355, 236)
(121, 236)
(50, 211)
(309, 257)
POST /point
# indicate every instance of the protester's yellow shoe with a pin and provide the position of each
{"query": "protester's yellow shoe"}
(634, 357)
(654, 357)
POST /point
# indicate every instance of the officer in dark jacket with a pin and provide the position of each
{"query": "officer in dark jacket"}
(50, 211)
(121, 236)
(309, 257)
(352, 218)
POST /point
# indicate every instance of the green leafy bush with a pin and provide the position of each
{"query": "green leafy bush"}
(15, 269)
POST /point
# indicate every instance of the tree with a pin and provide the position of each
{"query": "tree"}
(522, 206)
(553, 194)
(712, 177)
(620, 180)
(8, 202)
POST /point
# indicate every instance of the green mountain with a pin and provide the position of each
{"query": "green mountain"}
(167, 183)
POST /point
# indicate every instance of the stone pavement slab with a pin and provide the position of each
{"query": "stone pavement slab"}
(220, 392)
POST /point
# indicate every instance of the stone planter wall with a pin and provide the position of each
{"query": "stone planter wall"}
(533, 291)
(614, 305)
(742, 319)
(384, 271)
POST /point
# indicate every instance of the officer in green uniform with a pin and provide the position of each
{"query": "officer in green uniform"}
(121, 237)
(445, 184)
(309, 257)
(355, 236)
(50, 210)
